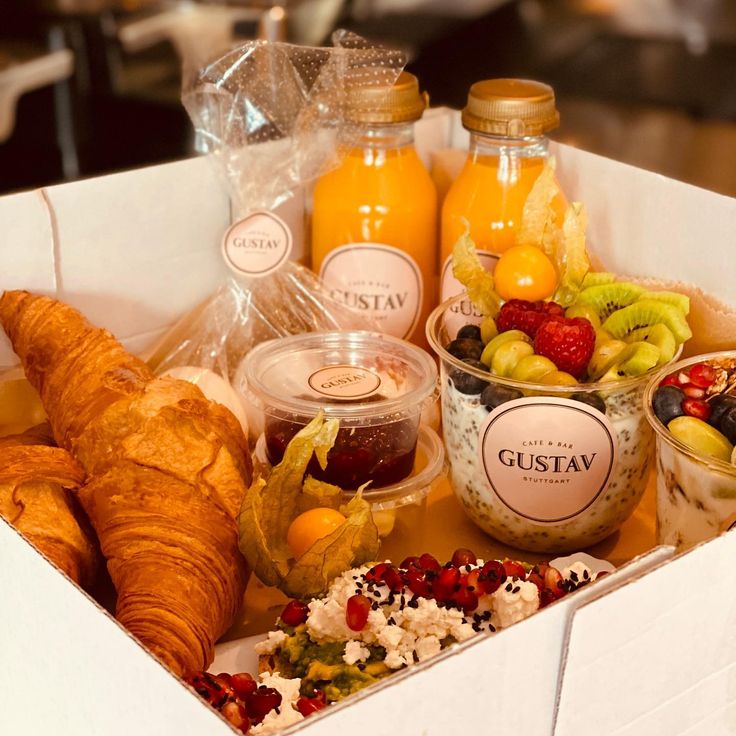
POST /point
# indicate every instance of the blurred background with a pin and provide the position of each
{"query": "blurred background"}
(92, 86)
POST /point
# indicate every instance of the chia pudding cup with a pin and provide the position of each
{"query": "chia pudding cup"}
(546, 472)
(375, 385)
(696, 494)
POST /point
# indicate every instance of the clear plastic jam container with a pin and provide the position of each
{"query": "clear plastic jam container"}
(375, 385)
(551, 468)
(696, 494)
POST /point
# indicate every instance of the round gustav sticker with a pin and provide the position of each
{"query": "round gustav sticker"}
(258, 244)
(344, 382)
(463, 312)
(379, 279)
(547, 459)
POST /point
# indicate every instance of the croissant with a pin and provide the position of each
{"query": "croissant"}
(34, 498)
(167, 471)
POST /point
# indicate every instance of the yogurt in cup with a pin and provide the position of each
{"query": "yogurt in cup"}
(375, 385)
(547, 471)
(696, 494)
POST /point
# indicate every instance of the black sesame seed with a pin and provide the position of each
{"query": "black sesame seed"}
(509, 588)
(516, 589)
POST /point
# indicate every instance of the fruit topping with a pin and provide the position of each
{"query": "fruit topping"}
(721, 405)
(262, 702)
(243, 684)
(488, 329)
(465, 347)
(667, 403)
(525, 272)
(307, 706)
(237, 715)
(496, 394)
(646, 313)
(295, 613)
(501, 339)
(696, 408)
(609, 298)
(591, 399)
(508, 355)
(514, 569)
(525, 316)
(568, 343)
(472, 332)
(533, 368)
(310, 526)
(465, 382)
(701, 437)
(702, 375)
(356, 612)
(463, 556)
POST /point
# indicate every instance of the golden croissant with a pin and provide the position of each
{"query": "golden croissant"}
(167, 470)
(34, 498)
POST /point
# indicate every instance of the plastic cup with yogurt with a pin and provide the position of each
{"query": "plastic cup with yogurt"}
(377, 386)
(552, 468)
(696, 493)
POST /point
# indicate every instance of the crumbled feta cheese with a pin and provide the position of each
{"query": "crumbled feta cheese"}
(514, 601)
(428, 646)
(287, 713)
(355, 652)
(270, 645)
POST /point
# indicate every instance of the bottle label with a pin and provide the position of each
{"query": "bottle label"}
(546, 458)
(379, 279)
(344, 382)
(258, 244)
(463, 312)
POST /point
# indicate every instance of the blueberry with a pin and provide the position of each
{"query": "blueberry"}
(667, 403)
(470, 331)
(728, 425)
(590, 399)
(466, 383)
(464, 347)
(495, 394)
(720, 405)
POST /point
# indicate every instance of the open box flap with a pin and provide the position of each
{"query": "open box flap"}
(659, 656)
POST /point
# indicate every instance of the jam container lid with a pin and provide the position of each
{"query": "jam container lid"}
(357, 377)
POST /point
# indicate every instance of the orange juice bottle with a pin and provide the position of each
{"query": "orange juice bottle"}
(374, 222)
(507, 120)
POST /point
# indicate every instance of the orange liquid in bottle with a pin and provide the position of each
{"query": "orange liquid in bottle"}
(374, 232)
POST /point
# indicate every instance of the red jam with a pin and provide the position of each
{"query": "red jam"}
(382, 454)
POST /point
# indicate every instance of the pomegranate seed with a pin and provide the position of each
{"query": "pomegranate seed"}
(393, 580)
(514, 569)
(203, 683)
(491, 576)
(221, 691)
(537, 579)
(409, 562)
(376, 572)
(697, 409)
(261, 702)
(462, 557)
(295, 613)
(236, 714)
(356, 612)
(416, 580)
(472, 580)
(702, 375)
(444, 587)
(693, 392)
(226, 677)
(683, 378)
(671, 380)
(553, 583)
(430, 563)
(243, 684)
(546, 598)
(307, 706)
(466, 599)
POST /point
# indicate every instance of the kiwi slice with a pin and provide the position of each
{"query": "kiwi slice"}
(608, 298)
(508, 355)
(638, 358)
(587, 311)
(604, 356)
(495, 343)
(597, 278)
(659, 335)
(646, 313)
(533, 368)
(680, 301)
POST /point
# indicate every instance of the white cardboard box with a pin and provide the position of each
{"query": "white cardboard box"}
(136, 250)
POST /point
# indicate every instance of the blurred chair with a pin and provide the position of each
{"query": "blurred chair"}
(23, 72)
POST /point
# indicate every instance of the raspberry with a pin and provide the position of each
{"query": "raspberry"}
(517, 314)
(568, 343)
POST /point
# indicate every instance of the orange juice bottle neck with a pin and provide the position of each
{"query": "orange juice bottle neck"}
(484, 147)
(372, 143)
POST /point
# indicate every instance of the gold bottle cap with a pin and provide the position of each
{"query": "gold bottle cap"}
(401, 103)
(514, 108)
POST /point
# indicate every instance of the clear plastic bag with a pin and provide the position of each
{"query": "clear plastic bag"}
(273, 117)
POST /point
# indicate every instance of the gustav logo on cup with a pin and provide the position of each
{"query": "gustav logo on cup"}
(258, 244)
(546, 458)
(344, 382)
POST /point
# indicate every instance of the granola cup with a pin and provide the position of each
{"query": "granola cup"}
(696, 494)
